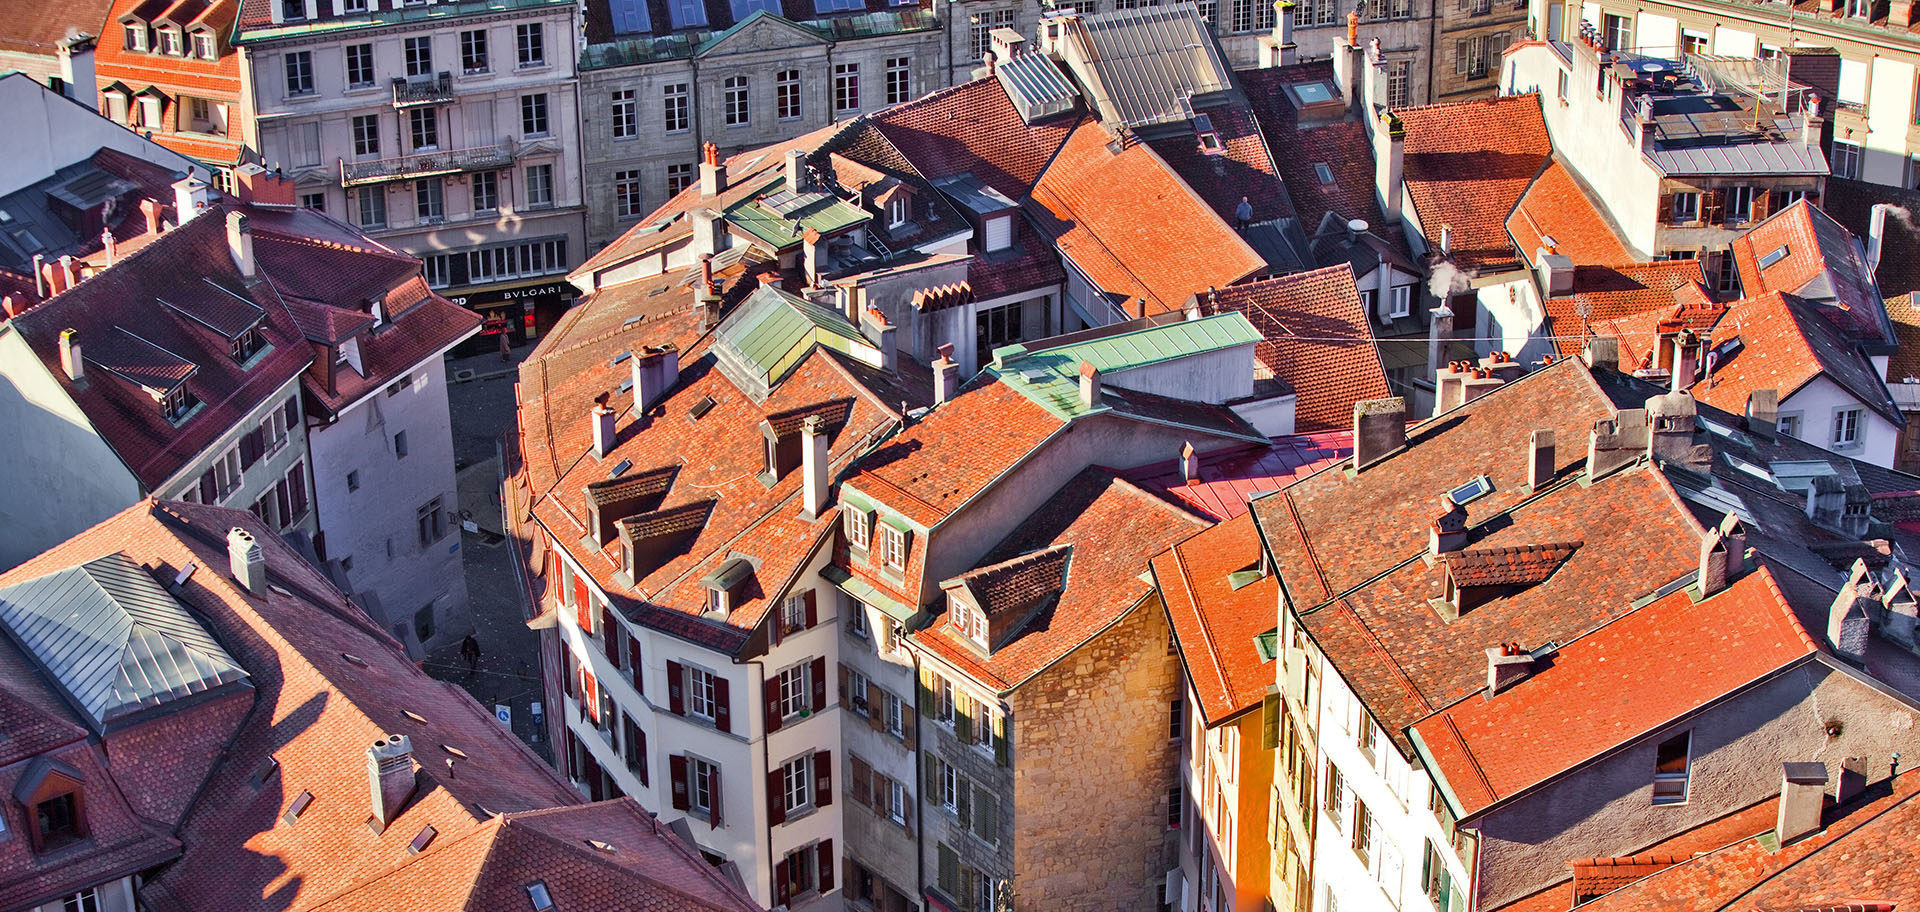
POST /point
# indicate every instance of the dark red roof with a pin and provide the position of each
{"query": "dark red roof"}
(1230, 477)
(1786, 342)
(1318, 340)
(972, 128)
(1513, 565)
(36, 27)
(1467, 165)
(1616, 292)
(1243, 166)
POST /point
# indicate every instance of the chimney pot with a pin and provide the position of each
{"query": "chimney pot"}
(109, 245)
(246, 561)
(813, 464)
(1089, 385)
(713, 172)
(1446, 240)
(1803, 795)
(1189, 463)
(390, 777)
(1379, 430)
(1507, 665)
(946, 375)
(1540, 457)
(70, 358)
(1876, 235)
(151, 209)
(69, 271)
(1390, 144)
(40, 289)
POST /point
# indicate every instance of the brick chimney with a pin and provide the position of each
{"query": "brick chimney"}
(604, 434)
(713, 172)
(1763, 413)
(1848, 626)
(1901, 13)
(390, 778)
(655, 370)
(151, 210)
(1507, 665)
(1448, 534)
(1671, 421)
(1189, 463)
(813, 467)
(254, 185)
(70, 362)
(240, 243)
(1539, 459)
(1089, 385)
(246, 561)
(1718, 563)
(1617, 442)
(1389, 158)
(1803, 795)
(1379, 430)
(946, 375)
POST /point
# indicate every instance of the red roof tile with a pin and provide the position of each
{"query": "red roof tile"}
(1243, 166)
(1597, 692)
(1229, 478)
(965, 444)
(1514, 565)
(1214, 623)
(972, 128)
(1132, 226)
(1557, 206)
(1785, 344)
(218, 79)
(1613, 296)
(1820, 260)
(1318, 340)
(36, 27)
(1467, 165)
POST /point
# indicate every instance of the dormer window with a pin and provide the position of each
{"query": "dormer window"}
(170, 41)
(203, 46)
(291, 10)
(897, 211)
(136, 36)
(893, 547)
(999, 233)
(57, 821)
(859, 529)
(54, 801)
(968, 621)
(246, 345)
(176, 403)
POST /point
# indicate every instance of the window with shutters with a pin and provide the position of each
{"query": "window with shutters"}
(951, 785)
(1686, 208)
(702, 776)
(943, 701)
(1362, 831)
(1335, 800)
(796, 784)
(857, 620)
(700, 693)
(896, 716)
(1739, 205)
(793, 690)
(798, 868)
(983, 729)
(856, 692)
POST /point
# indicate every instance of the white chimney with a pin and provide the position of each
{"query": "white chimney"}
(189, 197)
(1089, 385)
(1507, 665)
(76, 70)
(70, 355)
(1810, 120)
(796, 170)
(713, 172)
(1803, 795)
(709, 232)
(655, 370)
(604, 435)
(946, 375)
(1446, 240)
(246, 562)
(1389, 159)
(240, 243)
(1539, 459)
(813, 465)
(1876, 235)
(1189, 463)
(389, 777)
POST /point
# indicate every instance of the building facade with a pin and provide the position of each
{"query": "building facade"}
(450, 137)
(175, 75)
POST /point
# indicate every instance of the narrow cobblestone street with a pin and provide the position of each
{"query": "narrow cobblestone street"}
(480, 394)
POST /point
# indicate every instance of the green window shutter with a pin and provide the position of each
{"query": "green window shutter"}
(949, 877)
(1270, 721)
(933, 780)
(926, 692)
(963, 718)
(986, 815)
(1000, 738)
(963, 803)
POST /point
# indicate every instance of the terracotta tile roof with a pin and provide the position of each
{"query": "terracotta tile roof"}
(1905, 360)
(1467, 165)
(217, 79)
(1595, 876)
(1353, 582)
(1112, 528)
(1319, 341)
(1342, 146)
(1822, 262)
(972, 128)
(1613, 293)
(1865, 852)
(962, 446)
(1514, 565)
(189, 264)
(1215, 624)
(1557, 206)
(1132, 226)
(1785, 343)
(1597, 693)
(1031, 263)
(1243, 167)
(1019, 582)
(1230, 477)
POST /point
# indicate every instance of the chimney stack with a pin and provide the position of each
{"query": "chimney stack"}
(1448, 533)
(1847, 618)
(1876, 235)
(813, 466)
(1439, 331)
(240, 243)
(1763, 412)
(1539, 459)
(1556, 272)
(69, 271)
(70, 355)
(151, 209)
(1507, 665)
(246, 562)
(189, 197)
(389, 777)
(1379, 430)
(604, 435)
(1189, 463)
(1616, 442)
(1603, 353)
(1717, 562)
(946, 375)
(1902, 611)
(1347, 61)
(655, 370)
(1810, 121)
(1089, 385)
(1446, 240)
(814, 255)
(41, 287)
(76, 70)
(1671, 417)
(709, 232)
(1803, 795)
(1389, 159)
(796, 170)
(109, 245)
(713, 173)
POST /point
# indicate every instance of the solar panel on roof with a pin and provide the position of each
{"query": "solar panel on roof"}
(621, 469)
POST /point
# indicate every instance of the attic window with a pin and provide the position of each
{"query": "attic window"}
(604, 848)
(265, 772)
(1267, 644)
(423, 839)
(537, 894)
(177, 403)
(621, 469)
(1209, 138)
(701, 408)
(1773, 256)
(246, 344)
(1245, 576)
(297, 807)
(1324, 173)
(1473, 490)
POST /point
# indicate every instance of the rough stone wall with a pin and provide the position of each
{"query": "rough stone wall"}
(1091, 769)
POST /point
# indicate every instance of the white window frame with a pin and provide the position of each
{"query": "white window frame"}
(1686, 207)
(897, 802)
(796, 784)
(897, 211)
(700, 775)
(701, 699)
(857, 691)
(1846, 427)
(1402, 304)
(896, 716)
(793, 689)
(893, 547)
(1667, 781)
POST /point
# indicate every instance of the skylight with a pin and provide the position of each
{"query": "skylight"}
(537, 892)
(1320, 170)
(421, 840)
(1473, 490)
(1774, 256)
(298, 806)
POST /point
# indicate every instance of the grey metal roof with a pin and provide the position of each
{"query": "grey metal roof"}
(1036, 86)
(1759, 157)
(113, 639)
(973, 194)
(1151, 61)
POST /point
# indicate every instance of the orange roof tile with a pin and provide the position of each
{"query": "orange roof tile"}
(1785, 344)
(1215, 624)
(1819, 260)
(1319, 341)
(1557, 206)
(1467, 165)
(1609, 293)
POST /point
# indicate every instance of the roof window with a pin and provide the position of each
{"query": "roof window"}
(537, 894)
(1324, 173)
(1473, 490)
(421, 840)
(414, 716)
(1773, 256)
(701, 408)
(297, 807)
(1209, 137)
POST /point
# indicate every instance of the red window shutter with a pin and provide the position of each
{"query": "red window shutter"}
(583, 603)
(297, 488)
(713, 797)
(633, 665)
(209, 489)
(822, 778)
(293, 414)
(776, 797)
(782, 883)
(825, 848)
(813, 613)
(610, 633)
(640, 737)
(770, 691)
(722, 705)
(589, 694)
(676, 689)
(677, 769)
(819, 682)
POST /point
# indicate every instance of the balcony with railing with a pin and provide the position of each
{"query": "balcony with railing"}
(423, 90)
(426, 164)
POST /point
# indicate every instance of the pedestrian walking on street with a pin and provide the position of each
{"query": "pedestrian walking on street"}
(506, 346)
(470, 650)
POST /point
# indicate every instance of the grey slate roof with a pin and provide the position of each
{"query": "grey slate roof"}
(113, 640)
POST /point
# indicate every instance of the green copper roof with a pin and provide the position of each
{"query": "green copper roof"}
(779, 218)
(772, 331)
(1051, 377)
(384, 17)
(638, 49)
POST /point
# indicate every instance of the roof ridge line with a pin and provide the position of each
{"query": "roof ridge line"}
(1379, 648)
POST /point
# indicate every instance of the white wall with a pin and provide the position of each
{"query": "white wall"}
(47, 132)
(1515, 321)
(1816, 404)
(1889, 118)
(257, 480)
(1586, 134)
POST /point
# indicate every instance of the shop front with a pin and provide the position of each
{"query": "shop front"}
(521, 312)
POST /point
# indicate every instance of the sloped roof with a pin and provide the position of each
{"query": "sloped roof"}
(1317, 338)
(1851, 202)
(36, 27)
(1512, 565)
(1243, 166)
(114, 639)
(972, 128)
(1599, 690)
(1017, 583)
(1215, 622)
(1051, 376)
(1611, 293)
(1821, 262)
(1786, 343)
(1467, 165)
(1230, 477)
(939, 462)
(1150, 62)
(1557, 206)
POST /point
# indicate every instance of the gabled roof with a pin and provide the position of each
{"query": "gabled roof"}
(1112, 528)
(939, 462)
(1218, 615)
(1612, 295)
(115, 641)
(1556, 206)
(1820, 261)
(1467, 165)
(1786, 342)
(972, 128)
(1317, 339)
(1018, 583)
(1604, 689)
(1242, 167)
(1114, 215)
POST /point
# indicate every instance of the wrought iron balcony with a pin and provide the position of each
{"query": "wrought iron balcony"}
(423, 90)
(426, 164)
